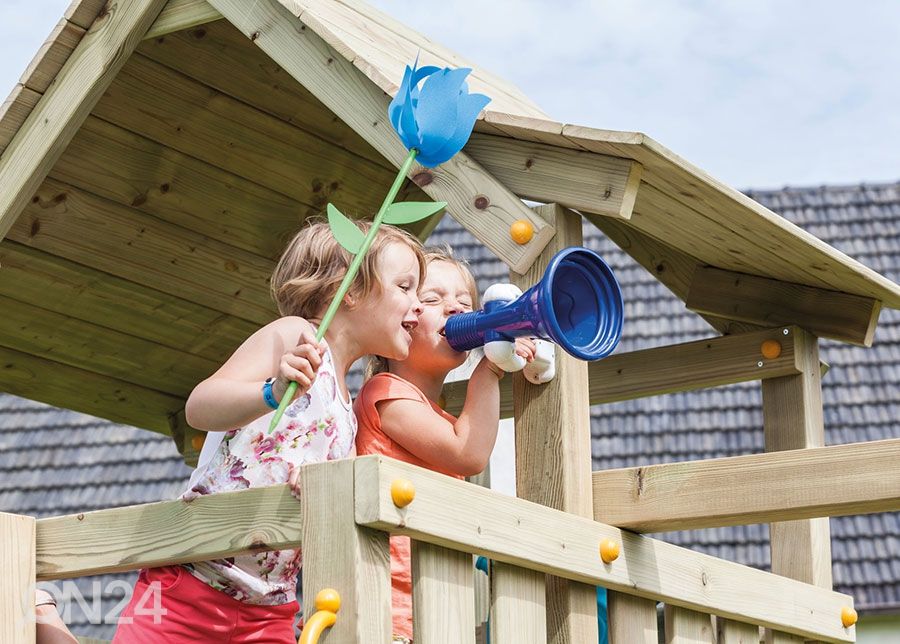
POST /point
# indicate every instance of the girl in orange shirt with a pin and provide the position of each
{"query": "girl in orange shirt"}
(398, 415)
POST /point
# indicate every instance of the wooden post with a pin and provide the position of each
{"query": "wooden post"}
(518, 608)
(17, 547)
(685, 626)
(553, 447)
(731, 632)
(632, 620)
(443, 595)
(339, 554)
(793, 419)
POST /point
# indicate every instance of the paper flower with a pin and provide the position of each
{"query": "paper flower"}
(436, 119)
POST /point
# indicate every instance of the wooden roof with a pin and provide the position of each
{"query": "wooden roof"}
(154, 158)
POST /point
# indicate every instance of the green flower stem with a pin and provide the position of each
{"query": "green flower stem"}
(349, 277)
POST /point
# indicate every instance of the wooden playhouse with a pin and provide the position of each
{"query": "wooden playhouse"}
(155, 157)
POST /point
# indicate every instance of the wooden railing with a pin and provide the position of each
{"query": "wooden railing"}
(343, 521)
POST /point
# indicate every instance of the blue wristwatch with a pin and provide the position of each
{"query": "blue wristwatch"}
(268, 396)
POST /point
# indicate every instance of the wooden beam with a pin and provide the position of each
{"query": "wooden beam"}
(182, 14)
(50, 126)
(169, 532)
(664, 370)
(576, 179)
(14, 111)
(443, 595)
(458, 515)
(793, 418)
(553, 459)
(62, 385)
(839, 480)
(759, 300)
(17, 582)
(339, 554)
(476, 199)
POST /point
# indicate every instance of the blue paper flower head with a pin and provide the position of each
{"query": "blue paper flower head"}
(437, 119)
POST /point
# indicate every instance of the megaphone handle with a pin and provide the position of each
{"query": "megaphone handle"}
(543, 368)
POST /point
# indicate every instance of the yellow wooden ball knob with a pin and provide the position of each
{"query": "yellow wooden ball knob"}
(521, 231)
(328, 599)
(609, 550)
(848, 616)
(197, 442)
(770, 349)
(402, 492)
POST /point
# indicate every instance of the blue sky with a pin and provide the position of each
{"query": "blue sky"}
(758, 93)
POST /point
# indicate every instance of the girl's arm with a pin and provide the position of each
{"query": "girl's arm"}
(463, 448)
(232, 396)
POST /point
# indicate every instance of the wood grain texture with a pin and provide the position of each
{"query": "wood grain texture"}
(478, 201)
(518, 605)
(688, 627)
(662, 370)
(466, 517)
(758, 300)
(339, 554)
(14, 111)
(70, 387)
(553, 457)
(632, 620)
(443, 595)
(181, 14)
(793, 418)
(67, 222)
(17, 582)
(582, 180)
(731, 632)
(168, 532)
(53, 122)
(759, 488)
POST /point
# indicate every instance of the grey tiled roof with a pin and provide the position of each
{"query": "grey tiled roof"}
(58, 462)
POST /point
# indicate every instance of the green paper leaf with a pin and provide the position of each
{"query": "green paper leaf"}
(406, 212)
(344, 230)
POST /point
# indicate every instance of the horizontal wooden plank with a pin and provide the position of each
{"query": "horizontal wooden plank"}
(72, 289)
(14, 111)
(78, 343)
(168, 532)
(458, 515)
(758, 300)
(221, 57)
(182, 14)
(64, 221)
(53, 122)
(577, 179)
(119, 165)
(480, 203)
(69, 387)
(838, 480)
(664, 370)
(194, 119)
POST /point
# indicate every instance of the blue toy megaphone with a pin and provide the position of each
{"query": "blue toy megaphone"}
(577, 305)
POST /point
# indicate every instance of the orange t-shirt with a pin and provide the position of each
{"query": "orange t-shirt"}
(370, 439)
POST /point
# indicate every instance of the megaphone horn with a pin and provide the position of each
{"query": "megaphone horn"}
(577, 304)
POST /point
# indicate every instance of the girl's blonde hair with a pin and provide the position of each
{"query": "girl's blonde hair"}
(378, 364)
(312, 266)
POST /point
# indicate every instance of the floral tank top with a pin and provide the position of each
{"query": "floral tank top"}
(318, 426)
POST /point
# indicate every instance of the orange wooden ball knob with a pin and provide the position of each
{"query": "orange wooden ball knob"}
(609, 550)
(402, 492)
(770, 349)
(197, 442)
(848, 616)
(521, 231)
(328, 599)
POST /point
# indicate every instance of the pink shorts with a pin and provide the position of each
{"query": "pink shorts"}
(170, 605)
